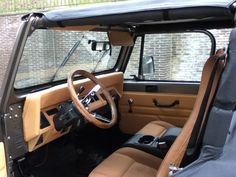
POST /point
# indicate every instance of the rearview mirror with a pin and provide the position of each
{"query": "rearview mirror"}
(100, 45)
(148, 65)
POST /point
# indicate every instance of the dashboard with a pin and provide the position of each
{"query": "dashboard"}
(41, 107)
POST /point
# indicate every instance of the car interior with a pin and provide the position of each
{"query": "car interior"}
(91, 95)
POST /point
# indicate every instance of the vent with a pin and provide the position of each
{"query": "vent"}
(40, 140)
(52, 111)
(43, 121)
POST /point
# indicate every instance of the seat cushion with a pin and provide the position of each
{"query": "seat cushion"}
(128, 162)
(155, 128)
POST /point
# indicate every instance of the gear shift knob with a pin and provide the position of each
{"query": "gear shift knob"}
(130, 102)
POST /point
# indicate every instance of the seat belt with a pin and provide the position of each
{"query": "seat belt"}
(198, 129)
(209, 104)
(178, 149)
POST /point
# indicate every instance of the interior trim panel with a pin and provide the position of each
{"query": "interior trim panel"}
(3, 169)
(161, 87)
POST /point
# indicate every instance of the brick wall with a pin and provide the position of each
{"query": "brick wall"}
(165, 66)
(50, 48)
(8, 30)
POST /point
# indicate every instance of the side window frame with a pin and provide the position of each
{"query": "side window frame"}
(140, 76)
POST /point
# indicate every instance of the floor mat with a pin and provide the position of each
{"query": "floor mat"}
(56, 160)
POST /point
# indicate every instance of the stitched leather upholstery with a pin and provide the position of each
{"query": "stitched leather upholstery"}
(128, 162)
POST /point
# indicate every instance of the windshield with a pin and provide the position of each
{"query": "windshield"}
(50, 55)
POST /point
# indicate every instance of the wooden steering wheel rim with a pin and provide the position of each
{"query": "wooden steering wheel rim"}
(87, 115)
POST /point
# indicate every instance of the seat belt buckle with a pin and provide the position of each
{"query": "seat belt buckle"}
(162, 145)
(173, 169)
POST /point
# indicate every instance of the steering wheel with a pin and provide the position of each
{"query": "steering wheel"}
(93, 101)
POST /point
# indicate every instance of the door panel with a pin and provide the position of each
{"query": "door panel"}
(144, 109)
(3, 169)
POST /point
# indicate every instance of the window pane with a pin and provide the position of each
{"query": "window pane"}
(171, 56)
(177, 56)
(51, 55)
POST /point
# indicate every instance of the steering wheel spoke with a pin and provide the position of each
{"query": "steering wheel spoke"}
(101, 118)
(96, 105)
(93, 101)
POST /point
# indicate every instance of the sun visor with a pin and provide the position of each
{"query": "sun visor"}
(121, 38)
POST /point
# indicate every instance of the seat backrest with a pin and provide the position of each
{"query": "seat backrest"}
(218, 152)
(209, 79)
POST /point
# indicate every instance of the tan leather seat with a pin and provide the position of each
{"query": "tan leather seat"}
(128, 162)
(155, 128)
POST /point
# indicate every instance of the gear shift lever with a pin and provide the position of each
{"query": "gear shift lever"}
(130, 102)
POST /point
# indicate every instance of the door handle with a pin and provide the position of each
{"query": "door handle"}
(157, 104)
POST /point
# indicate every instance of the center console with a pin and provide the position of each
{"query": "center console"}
(157, 146)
